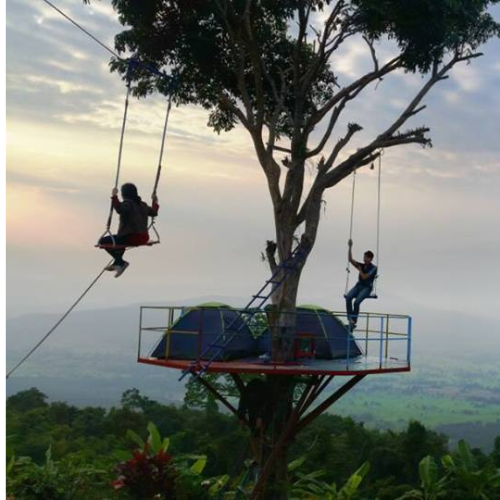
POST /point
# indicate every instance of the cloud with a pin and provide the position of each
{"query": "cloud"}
(64, 86)
(467, 77)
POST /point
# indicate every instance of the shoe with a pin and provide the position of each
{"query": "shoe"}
(265, 358)
(111, 267)
(121, 269)
(352, 324)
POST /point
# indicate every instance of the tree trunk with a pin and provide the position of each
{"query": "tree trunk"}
(282, 323)
(276, 486)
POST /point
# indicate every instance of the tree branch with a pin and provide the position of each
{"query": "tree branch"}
(352, 90)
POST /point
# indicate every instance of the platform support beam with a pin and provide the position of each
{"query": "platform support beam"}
(218, 395)
(297, 422)
(312, 415)
(318, 389)
(240, 385)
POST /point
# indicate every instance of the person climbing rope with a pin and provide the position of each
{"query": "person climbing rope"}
(133, 228)
(363, 288)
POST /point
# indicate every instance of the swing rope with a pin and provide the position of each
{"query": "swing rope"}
(63, 317)
(379, 187)
(162, 147)
(160, 160)
(120, 152)
(351, 226)
(132, 63)
(373, 295)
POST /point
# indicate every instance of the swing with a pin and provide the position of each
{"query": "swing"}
(151, 227)
(373, 294)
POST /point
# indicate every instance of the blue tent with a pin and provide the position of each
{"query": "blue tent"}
(199, 327)
(319, 335)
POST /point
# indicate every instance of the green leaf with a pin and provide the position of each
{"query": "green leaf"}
(428, 472)
(48, 454)
(10, 465)
(166, 444)
(313, 475)
(363, 470)
(448, 462)
(411, 495)
(465, 455)
(199, 465)
(154, 438)
(122, 455)
(495, 480)
(133, 436)
(295, 464)
(219, 484)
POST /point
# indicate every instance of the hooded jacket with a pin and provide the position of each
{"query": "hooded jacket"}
(134, 218)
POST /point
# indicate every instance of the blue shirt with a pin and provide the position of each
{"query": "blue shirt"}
(369, 269)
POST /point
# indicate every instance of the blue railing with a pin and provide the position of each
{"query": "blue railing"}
(381, 339)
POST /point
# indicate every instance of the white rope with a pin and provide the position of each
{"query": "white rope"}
(162, 147)
(351, 226)
(63, 317)
(120, 153)
(379, 188)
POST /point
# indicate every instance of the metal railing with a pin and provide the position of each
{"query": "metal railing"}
(382, 337)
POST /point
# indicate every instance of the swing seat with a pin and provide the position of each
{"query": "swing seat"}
(110, 246)
(371, 296)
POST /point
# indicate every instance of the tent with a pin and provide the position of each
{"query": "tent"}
(199, 327)
(319, 335)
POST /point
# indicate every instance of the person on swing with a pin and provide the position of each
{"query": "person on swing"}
(363, 288)
(133, 227)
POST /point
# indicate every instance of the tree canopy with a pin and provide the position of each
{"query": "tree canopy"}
(270, 65)
(266, 54)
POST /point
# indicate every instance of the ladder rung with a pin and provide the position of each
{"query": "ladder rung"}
(196, 367)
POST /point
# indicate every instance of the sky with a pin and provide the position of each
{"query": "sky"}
(440, 220)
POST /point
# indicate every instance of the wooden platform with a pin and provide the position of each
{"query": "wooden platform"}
(361, 365)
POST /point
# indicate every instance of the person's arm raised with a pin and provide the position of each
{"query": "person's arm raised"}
(117, 204)
(351, 260)
(153, 210)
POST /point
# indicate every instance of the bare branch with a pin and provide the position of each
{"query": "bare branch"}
(326, 44)
(352, 90)
(329, 129)
(352, 128)
(372, 52)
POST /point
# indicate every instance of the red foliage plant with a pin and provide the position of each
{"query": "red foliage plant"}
(147, 476)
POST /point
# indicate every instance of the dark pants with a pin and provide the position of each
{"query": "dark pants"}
(116, 253)
(359, 293)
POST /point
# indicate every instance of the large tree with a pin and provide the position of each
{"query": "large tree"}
(269, 65)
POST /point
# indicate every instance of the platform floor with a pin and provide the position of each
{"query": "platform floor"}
(356, 366)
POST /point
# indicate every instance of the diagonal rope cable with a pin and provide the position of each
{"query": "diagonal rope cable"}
(143, 65)
(81, 28)
(63, 317)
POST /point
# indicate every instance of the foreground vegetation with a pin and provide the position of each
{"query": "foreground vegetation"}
(58, 451)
